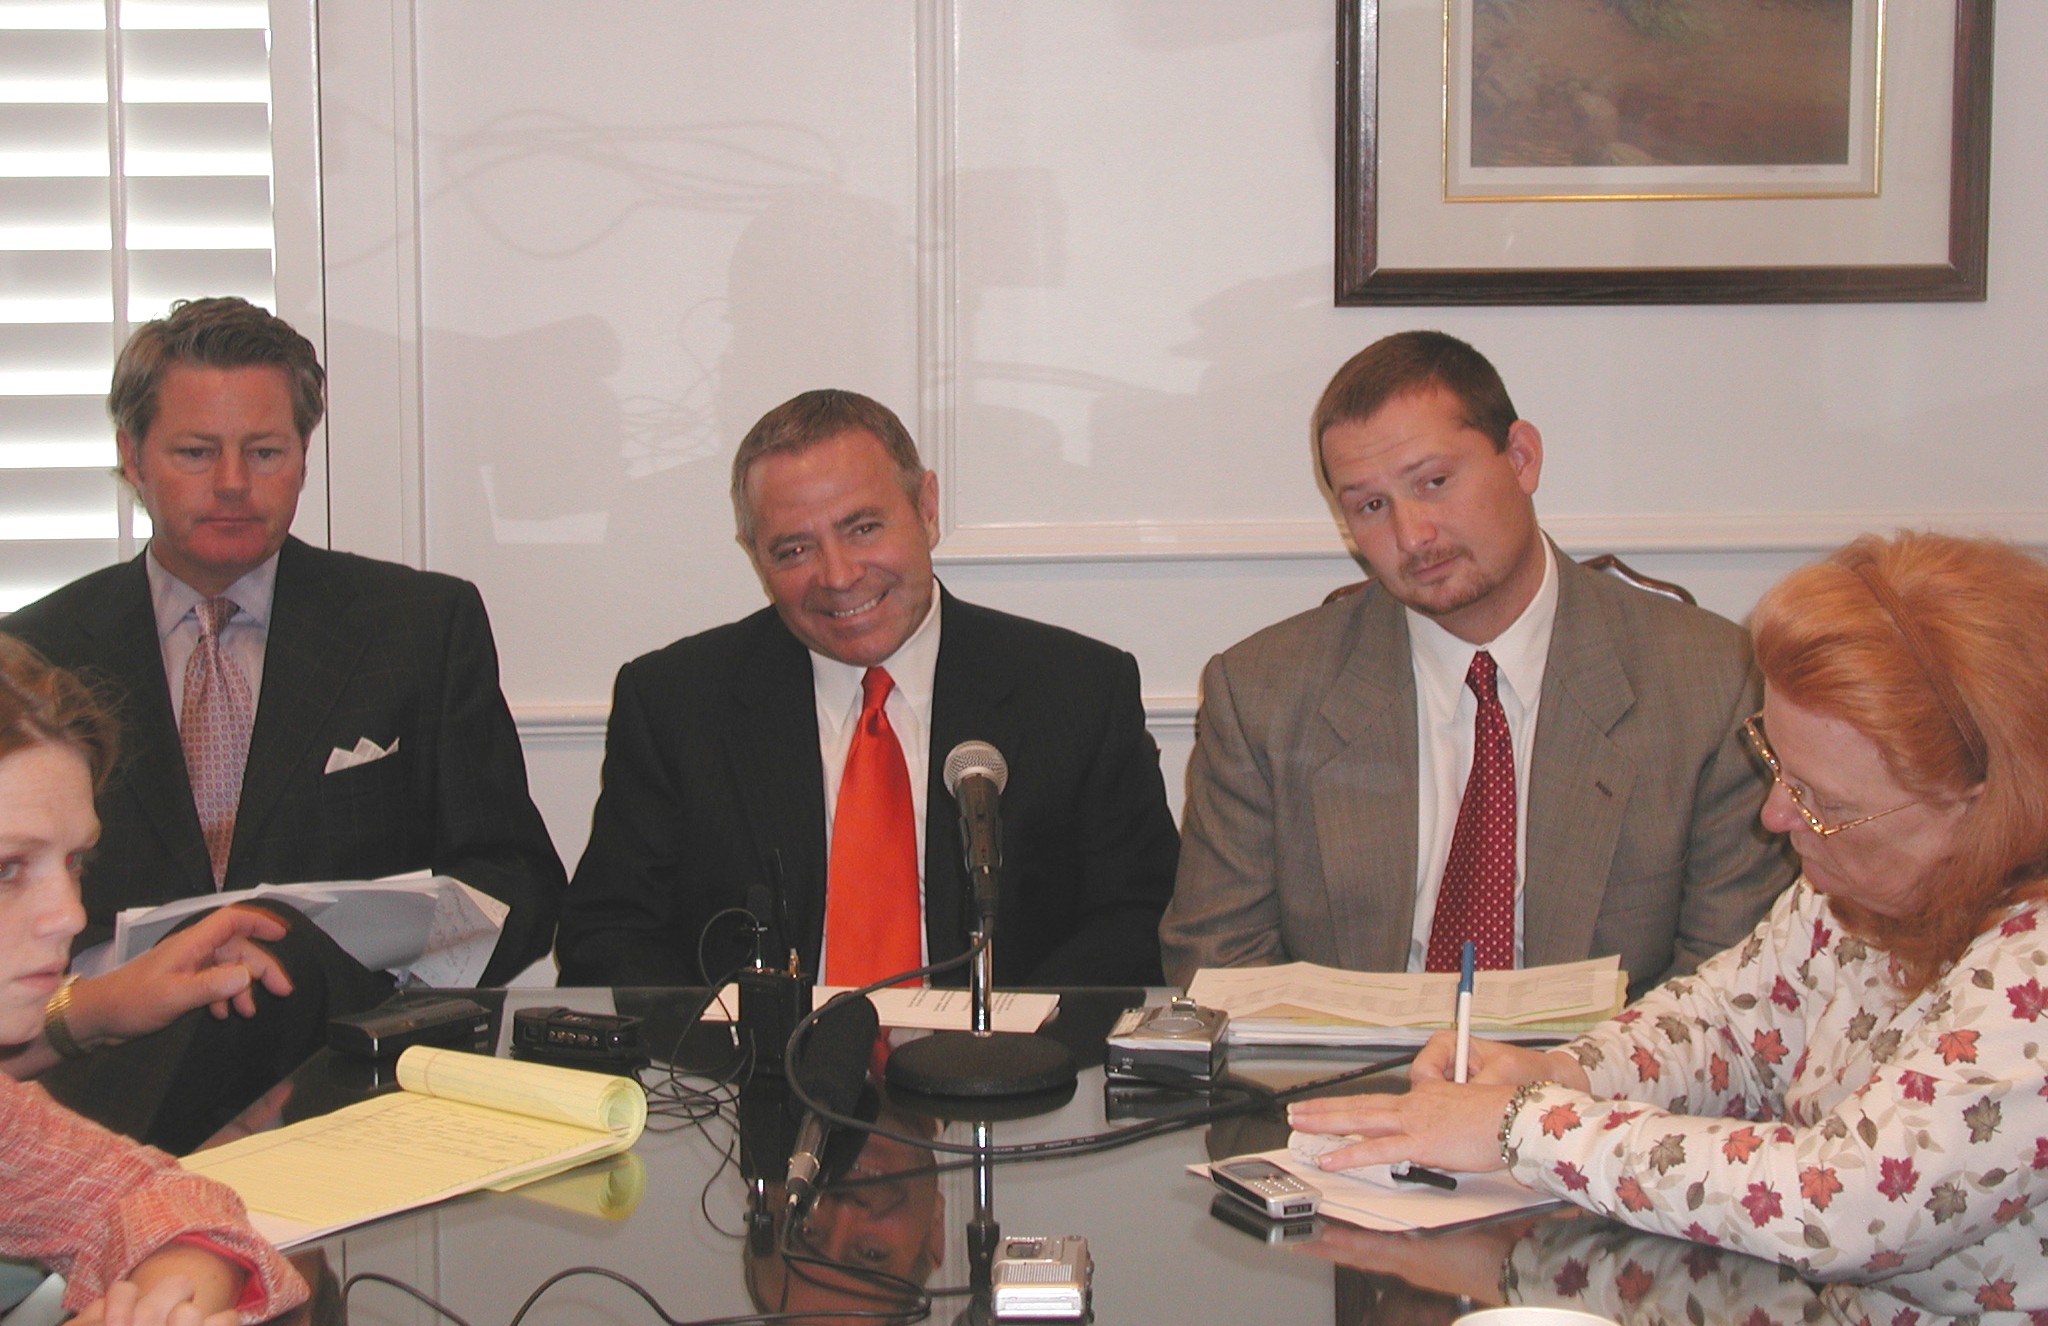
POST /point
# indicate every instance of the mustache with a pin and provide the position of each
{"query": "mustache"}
(1416, 565)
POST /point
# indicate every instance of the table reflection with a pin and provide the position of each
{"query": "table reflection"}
(1583, 1262)
(871, 1241)
(695, 1215)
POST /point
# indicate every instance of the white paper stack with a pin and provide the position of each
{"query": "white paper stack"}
(1300, 1003)
(431, 927)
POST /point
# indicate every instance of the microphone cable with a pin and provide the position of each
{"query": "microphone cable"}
(916, 1312)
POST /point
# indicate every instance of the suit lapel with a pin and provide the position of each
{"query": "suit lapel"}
(970, 686)
(1579, 781)
(1364, 791)
(771, 746)
(311, 653)
(152, 757)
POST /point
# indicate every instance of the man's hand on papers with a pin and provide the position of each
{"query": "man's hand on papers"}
(216, 962)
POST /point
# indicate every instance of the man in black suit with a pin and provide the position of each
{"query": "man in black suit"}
(375, 739)
(723, 759)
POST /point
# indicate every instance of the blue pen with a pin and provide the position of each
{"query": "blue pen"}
(1466, 959)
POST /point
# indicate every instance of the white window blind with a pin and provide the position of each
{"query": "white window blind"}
(135, 169)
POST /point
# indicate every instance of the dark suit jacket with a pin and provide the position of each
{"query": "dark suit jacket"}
(357, 648)
(712, 772)
(1642, 828)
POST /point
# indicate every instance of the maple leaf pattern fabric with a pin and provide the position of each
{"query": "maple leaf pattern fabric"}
(1783, 1102)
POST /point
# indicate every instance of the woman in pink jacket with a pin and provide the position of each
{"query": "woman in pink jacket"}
(137, 1239)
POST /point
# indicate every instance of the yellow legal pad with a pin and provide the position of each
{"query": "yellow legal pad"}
(461, 1122)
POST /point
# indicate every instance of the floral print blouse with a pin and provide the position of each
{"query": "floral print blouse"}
(1783, 1101)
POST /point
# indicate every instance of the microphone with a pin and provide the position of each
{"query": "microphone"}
(831, 1064)
(759, 903)
(976, 774)
(981, 1061)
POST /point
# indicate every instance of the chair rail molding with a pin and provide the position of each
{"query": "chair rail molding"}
(574, 726)
(1281, 540)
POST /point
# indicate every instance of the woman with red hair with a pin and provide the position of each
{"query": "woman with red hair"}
(1858, 1089)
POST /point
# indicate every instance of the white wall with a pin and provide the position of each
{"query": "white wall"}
(1084, 247)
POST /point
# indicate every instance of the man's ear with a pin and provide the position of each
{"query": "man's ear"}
(935, 1237)
(1525, 453)
(130, 465)
(760, 572)
(928, 507)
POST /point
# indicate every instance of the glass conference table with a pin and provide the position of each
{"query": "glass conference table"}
(673, 1216)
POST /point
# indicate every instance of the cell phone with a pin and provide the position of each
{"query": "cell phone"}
(1267, 1188)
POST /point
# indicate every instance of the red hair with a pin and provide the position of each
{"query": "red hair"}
(1933, 647)
(41, 704)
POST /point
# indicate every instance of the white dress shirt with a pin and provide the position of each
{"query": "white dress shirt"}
(1445, 709)
(913, 667)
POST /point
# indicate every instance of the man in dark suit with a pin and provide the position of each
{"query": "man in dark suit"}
(1338, 753)
(358, 699)
(729, 752)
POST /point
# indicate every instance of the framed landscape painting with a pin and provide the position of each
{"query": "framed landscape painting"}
(1654, 151)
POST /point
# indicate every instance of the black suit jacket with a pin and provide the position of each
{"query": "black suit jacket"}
(357, 648)
(714, 798)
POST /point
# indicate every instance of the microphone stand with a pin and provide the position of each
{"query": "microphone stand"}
(984, 1235)
(982, 1062)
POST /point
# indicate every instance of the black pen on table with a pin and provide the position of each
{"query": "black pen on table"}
(1410, 1173)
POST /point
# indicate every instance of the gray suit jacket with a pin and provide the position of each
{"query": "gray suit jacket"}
(1299, 842)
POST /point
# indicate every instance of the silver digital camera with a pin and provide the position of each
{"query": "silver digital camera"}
(1179, 1040)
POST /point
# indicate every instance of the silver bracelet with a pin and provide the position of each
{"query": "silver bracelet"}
(1514, 1107)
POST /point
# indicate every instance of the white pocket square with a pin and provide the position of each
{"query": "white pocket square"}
(365, 752)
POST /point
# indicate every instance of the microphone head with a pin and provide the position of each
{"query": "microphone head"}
(976, 757)
(834, 1055)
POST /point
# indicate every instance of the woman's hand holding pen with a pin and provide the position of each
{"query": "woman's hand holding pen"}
(1437, 1122)
(1496, 1063)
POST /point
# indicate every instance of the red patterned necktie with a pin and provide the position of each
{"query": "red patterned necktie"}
(872, 916)
(214, 725)
(1477, 900)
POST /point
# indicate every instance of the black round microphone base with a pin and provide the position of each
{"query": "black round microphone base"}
(960, 1063)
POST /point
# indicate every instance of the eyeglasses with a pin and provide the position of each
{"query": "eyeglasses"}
(1753, 728)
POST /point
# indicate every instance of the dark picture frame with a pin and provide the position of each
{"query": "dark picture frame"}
(1362, 279)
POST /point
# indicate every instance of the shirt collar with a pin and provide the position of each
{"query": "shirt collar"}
(913, 667)
(1518, 652)
(174, 600)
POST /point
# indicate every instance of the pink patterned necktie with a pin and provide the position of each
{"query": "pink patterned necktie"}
(214, 724)
(1477, 900)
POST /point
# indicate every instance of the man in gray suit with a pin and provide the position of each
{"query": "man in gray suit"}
(1335, 749)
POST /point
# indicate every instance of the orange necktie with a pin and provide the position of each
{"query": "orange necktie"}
(872, 916)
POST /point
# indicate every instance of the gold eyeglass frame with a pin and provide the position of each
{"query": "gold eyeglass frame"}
(1753, 730)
